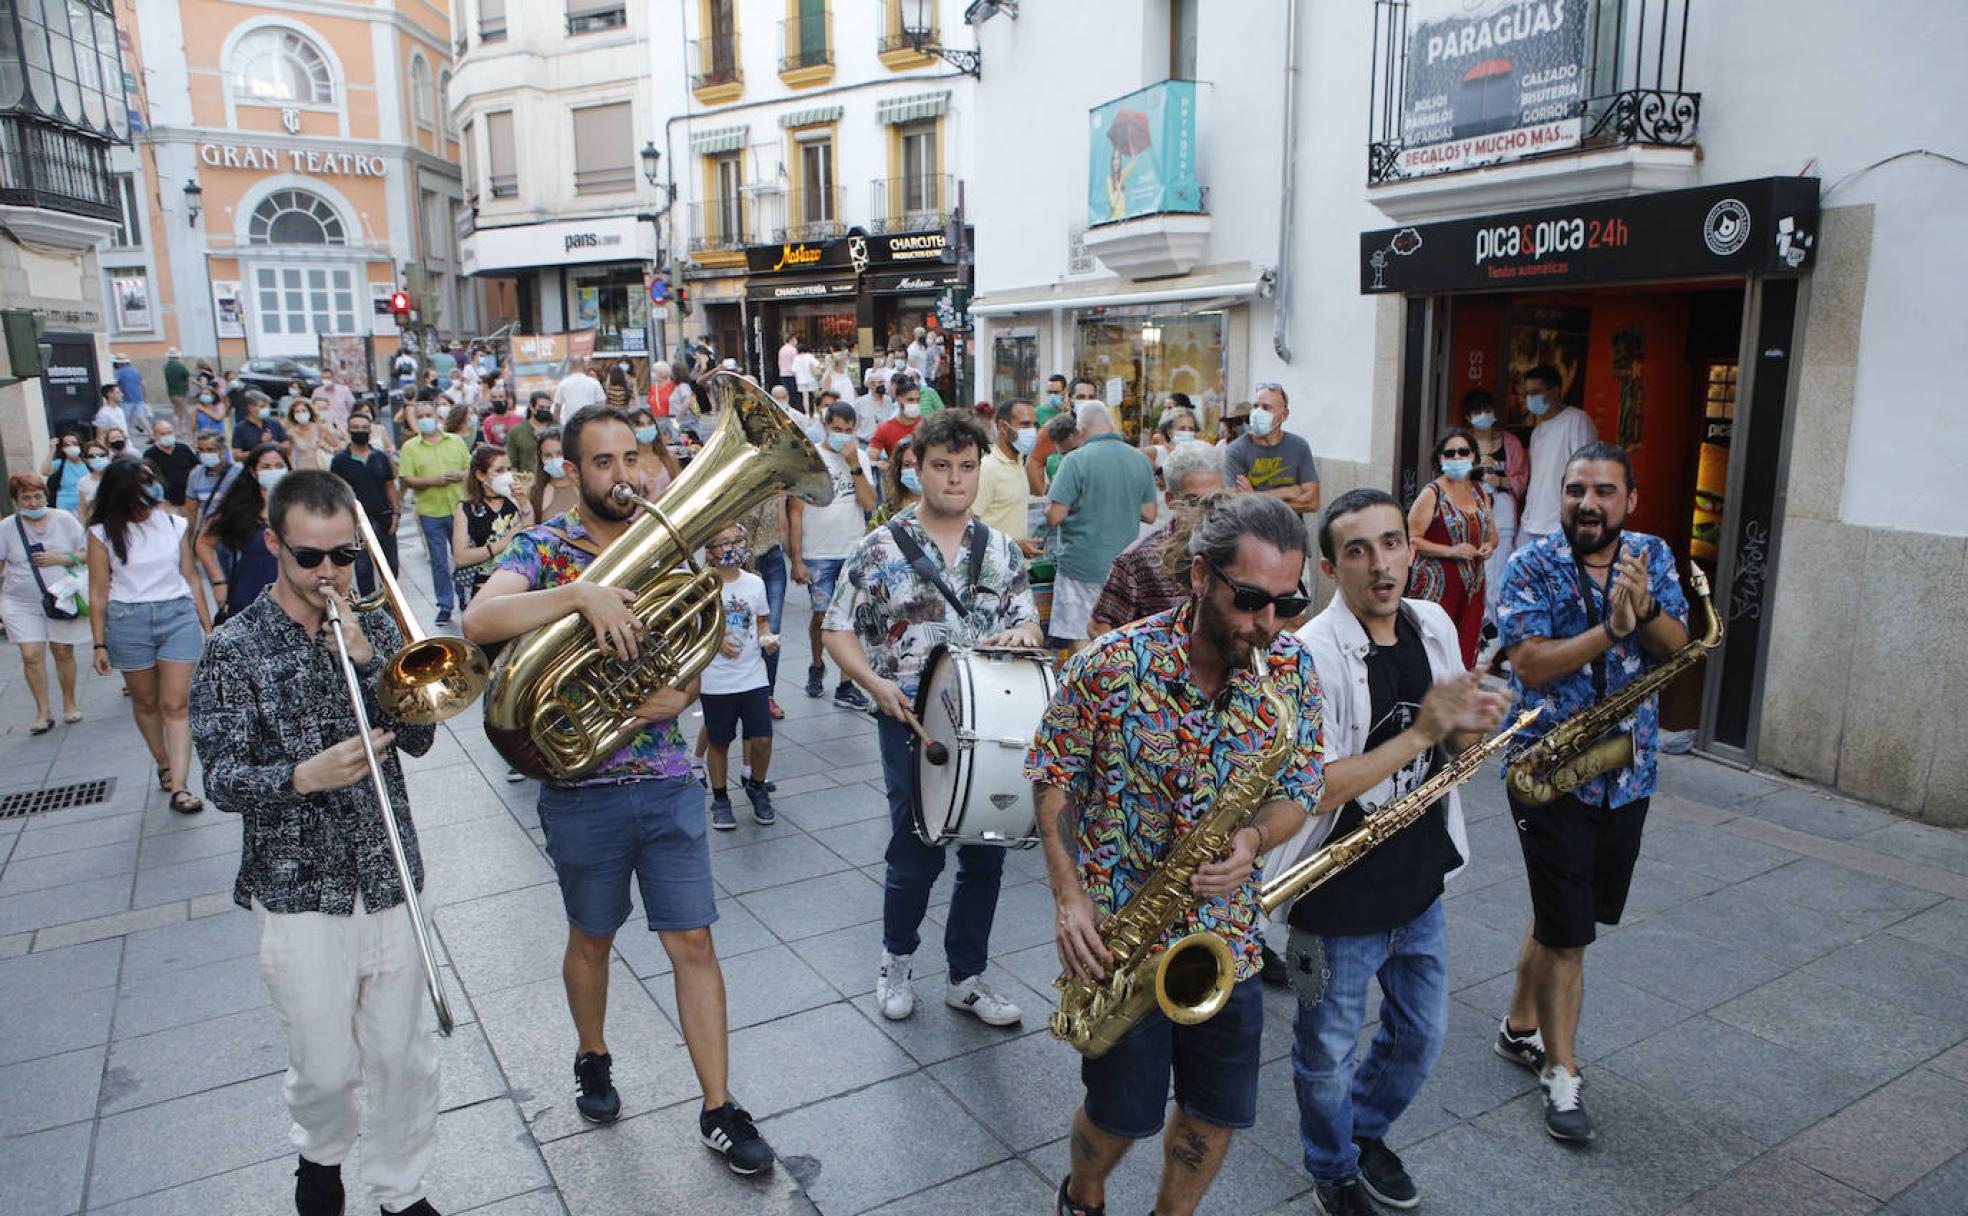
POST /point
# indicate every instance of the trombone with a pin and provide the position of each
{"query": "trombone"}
(428, 680)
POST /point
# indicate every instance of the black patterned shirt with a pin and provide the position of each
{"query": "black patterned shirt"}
(265, 698)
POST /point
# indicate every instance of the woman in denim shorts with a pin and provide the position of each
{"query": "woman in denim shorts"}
(147, 622)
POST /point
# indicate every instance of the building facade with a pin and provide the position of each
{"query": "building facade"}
(1718, 222)
(294, 166)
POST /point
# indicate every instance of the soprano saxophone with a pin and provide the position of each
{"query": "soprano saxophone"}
(1190, 985)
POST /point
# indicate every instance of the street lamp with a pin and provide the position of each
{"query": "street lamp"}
(194, 200)
(650, 157)
(917, 19)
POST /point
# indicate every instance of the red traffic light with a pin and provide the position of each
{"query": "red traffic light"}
(400, 303)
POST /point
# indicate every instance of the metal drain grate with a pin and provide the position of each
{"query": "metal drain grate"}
(55, 798)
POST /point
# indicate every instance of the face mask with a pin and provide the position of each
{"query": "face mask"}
(270, 478)
(734, 555)
(1181, 437)
(1483, 421)
(543, 415)
(911, 410)
(117, 445)
(645, 434)
(911, 482)
(1261, 421)
(1025, 440)
(303, 416)
(98, 463)
(1457, 469)
(1055, 400)
(167, 442)
(502, 484)
(71, 452)
(427, 426)
(209, 459)
(1535, 403)
(555, 466)
(35, 512)
(155, 489)
(838, 442)
(207, 399)
(358, 439)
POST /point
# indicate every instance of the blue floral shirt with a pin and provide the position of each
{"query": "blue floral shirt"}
(1543, 597)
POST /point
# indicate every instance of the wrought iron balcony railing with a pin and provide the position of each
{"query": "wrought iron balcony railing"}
(718, 225)
(902, 28)
(806, 41)
(911, 204)
(716, 61)
(46, 166)
(797, 215)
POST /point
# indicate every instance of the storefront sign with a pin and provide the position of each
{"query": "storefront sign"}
(291, 160)
(1141, 155)
(818, 289)
(1491, 80)
(857, 250)
(614, 239)
(1768, 226)
(797, 257)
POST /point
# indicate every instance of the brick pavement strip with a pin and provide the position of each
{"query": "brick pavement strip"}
(1770, 926)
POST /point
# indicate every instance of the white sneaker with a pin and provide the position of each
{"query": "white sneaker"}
(514, 776)
(975, 996)
(892, 991)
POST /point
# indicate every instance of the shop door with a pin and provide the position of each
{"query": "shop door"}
(70, 388)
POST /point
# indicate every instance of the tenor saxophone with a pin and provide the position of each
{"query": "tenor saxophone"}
(1190, 985)
(1582, 746)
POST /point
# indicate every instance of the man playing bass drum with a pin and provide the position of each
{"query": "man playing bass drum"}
(1583, 612)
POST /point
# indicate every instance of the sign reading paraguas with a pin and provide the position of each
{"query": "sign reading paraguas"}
(1141, 154)
(1765, 226)
(1490, 81)
(614, 239)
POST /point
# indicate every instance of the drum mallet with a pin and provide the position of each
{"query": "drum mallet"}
(933, 751)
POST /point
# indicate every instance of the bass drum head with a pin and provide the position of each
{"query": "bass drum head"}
(942, 710)
(984, 706)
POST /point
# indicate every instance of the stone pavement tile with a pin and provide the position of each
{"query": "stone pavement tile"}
(1024, 1090)
(1616, 1014)
(61, 905)
(792, 760)
(467, 1071)
(265, 1186)
(1777, 1185)
(211, 905)
(1888, 1140)
(481, 857)
(42, 1173)
(749, 831)
(45, 836)
(190, 943)
(654, 1164)
(859, 772)
(1469, 1079)
(805, 784)
(1952, 1063)
(533, 1038)
(1025, 917)
(848, 958)
(936, 1032)
(815, 733)
(862, 843)
(220, 837)
(1863, 1034)
(1251, 1179)
(773, 863)
(451, 794)
(146, 1150)
(1483, 800)
(1502, 906)
(1711, 851)
(533, 1203)
(1810, 810)
(848, 802)
(184, 879)
(184, 1060)
(1478, 952)
(1009, 1188)
(816, 905)
(1920, 842)
(116, 924)
(13, 945)
(1474, 1172)
(500, 941)
(1672, 962)
(865, 1148)
(1035, 967)
(758, 987)
(1659, 886)
(1943, 926)
(65, 971)
(176, 998)
(1941, 1193)
(1718, 785)
(50, 1091)
(1903, 973)
(1722, 1076)
(483, 1155)
(46, 1025)
(782, 1064)
(1862, 900)
(1745, 920)
(60, 869)
(736, 932)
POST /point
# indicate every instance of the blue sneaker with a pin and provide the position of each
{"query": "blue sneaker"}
(761, 800)
(721, 817)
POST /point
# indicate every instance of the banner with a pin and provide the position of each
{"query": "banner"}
(347, 355)
(1490, 81)
(1141, 156)
(132, 301)
(540, 360)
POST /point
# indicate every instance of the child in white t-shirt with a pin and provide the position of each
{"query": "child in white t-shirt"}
(734, 688)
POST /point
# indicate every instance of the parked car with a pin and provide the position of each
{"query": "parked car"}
(272, 376)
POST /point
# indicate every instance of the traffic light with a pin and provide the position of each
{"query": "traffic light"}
(682, 296)
(400, 305)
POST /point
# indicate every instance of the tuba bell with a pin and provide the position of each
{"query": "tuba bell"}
(559, 706)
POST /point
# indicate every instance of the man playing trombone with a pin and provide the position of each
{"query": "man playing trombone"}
(276, 732)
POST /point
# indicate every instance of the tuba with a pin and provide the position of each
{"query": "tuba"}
(559, 706)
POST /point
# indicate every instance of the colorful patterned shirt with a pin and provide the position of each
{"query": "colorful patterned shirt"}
(1140, 750)
(545, 560)
(1136, 585)
(899, 617)
(1543, 596)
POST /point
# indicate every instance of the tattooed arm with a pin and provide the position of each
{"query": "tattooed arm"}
(1078, 920)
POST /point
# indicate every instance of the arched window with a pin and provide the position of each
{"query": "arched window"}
(280, 67)
(444, 102)
(295, 217)
(420, 91)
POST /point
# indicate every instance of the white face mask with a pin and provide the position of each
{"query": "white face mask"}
(71, 452)
(911, 410)
(1483, 421)
(1181, 437)
(302, 416)
(167, 442)
(502, 484)
(1262, 420)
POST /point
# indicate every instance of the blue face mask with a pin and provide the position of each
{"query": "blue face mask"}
(838, 442)
(35, 512)
(427, 426)
(1483, 421)
(555, 466)
(155, 489)
(645, 434)
(1536, 403)
(1261, 421)
(98, 463)
(1178, 438)
(209, 459)
(270, 478)
(1457, 469)
(1026, 439)
(911, 482)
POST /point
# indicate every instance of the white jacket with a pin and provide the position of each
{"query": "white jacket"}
(1339, 646)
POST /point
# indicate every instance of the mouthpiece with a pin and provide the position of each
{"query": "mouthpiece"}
(621, 493)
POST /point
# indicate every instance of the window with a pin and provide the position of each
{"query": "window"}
(604, 149)
(491, 20)
(586, 16)
(280, 67)
(504, 177)
(813, 210)
(304, 300)
(920, 184)
(437, 224)
(728, 199)
(804, 37)
(1182, 39)
(295, 217)
(444, 103)
(129, 225)
(67, 62)
(421, 110)
(904, 24)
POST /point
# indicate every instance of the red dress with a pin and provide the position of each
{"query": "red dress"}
(1455, 583)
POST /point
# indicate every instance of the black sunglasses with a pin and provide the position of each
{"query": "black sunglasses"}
(1254, 599)
(1456, 453)
(309, 557)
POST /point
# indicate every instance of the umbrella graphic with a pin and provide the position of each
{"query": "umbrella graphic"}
(1129, 134)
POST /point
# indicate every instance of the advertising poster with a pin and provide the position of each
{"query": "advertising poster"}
(347, 355)
(382, 319)
(1490, 81)
(1142, 154)
(540, 360)
(132, 303)
(228, 312)
(1554, 336)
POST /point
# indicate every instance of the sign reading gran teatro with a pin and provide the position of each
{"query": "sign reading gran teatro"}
(291, 160)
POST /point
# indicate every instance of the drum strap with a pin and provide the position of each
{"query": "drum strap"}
(974, 547)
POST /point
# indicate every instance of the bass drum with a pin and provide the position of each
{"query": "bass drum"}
(985, 706)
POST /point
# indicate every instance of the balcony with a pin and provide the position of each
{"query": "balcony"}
(1606, 110)
(1145, 213)
(911, 204)
(806, 50)
(52, 169)
(718, 226)
(798, 215)
(906, 26)
(717, 76)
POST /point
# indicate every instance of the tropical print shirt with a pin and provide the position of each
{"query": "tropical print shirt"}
(1141, 752)
(899, 616)
(1543, 596)
(545, 560)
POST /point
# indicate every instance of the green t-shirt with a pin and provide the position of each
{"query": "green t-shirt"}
(177, 379)
(1103, 485)
(932, 401)
(421, 458)
(523, 448)
(1048, 411)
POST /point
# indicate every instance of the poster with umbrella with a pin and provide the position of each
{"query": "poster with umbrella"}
(1142, 154)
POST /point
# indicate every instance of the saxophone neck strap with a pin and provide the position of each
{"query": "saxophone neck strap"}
(1586, 584)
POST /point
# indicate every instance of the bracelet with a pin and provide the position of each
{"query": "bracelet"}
(1651, 613)
(1617, 638)
(100, 646)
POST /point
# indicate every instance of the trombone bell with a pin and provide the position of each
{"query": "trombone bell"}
(433, 677)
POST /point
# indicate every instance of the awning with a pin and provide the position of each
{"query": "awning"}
(912, 107)
(718, 139)
(1227, 290)
(812, 117)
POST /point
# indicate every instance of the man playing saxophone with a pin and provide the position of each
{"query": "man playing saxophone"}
(1150, 722)
(1582, 613)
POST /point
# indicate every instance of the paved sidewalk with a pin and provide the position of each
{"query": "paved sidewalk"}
(1779, 1027)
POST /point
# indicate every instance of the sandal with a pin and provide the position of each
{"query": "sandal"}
(72, 716)
(185, 803)
(41, 726)
(164, 777)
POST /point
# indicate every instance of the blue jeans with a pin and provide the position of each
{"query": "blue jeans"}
(772, 569)
(1338, 1102)
(913, 867)
(437, 543)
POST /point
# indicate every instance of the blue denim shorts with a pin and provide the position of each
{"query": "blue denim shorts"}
(138, 635)
(1213, 1065)
(600, 835)
(822, 575)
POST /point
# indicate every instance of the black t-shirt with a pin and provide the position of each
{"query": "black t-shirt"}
(369, 479)
(247, 435)
(1397, 881)
(174, 467)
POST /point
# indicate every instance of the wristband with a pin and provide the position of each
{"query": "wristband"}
(1607, 625)
(1651, 613)
(101, 646)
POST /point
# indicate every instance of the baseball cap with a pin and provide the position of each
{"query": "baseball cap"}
(119, 358)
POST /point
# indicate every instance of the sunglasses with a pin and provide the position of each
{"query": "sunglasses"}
(1457, 453)
(309, 557)
(1247, 598)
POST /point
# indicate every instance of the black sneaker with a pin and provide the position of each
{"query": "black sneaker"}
(420, 1208)
(1347, 1198)
(594, 1093)
(1274, 974)
(761, 801)
(443, 616)
(721, 817)
(1525, 1049)
(847, 696)
(1066, 1207)
(729, 1131)
(1564, 1106)
(816, 682)
(318, 1189)
(1384, 1177)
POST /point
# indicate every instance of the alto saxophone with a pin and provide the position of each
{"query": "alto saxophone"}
(1580, 748)
(1193, 984)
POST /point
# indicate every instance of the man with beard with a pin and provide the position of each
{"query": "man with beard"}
(1148, 724)
(640, 814)
(1583, 612)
